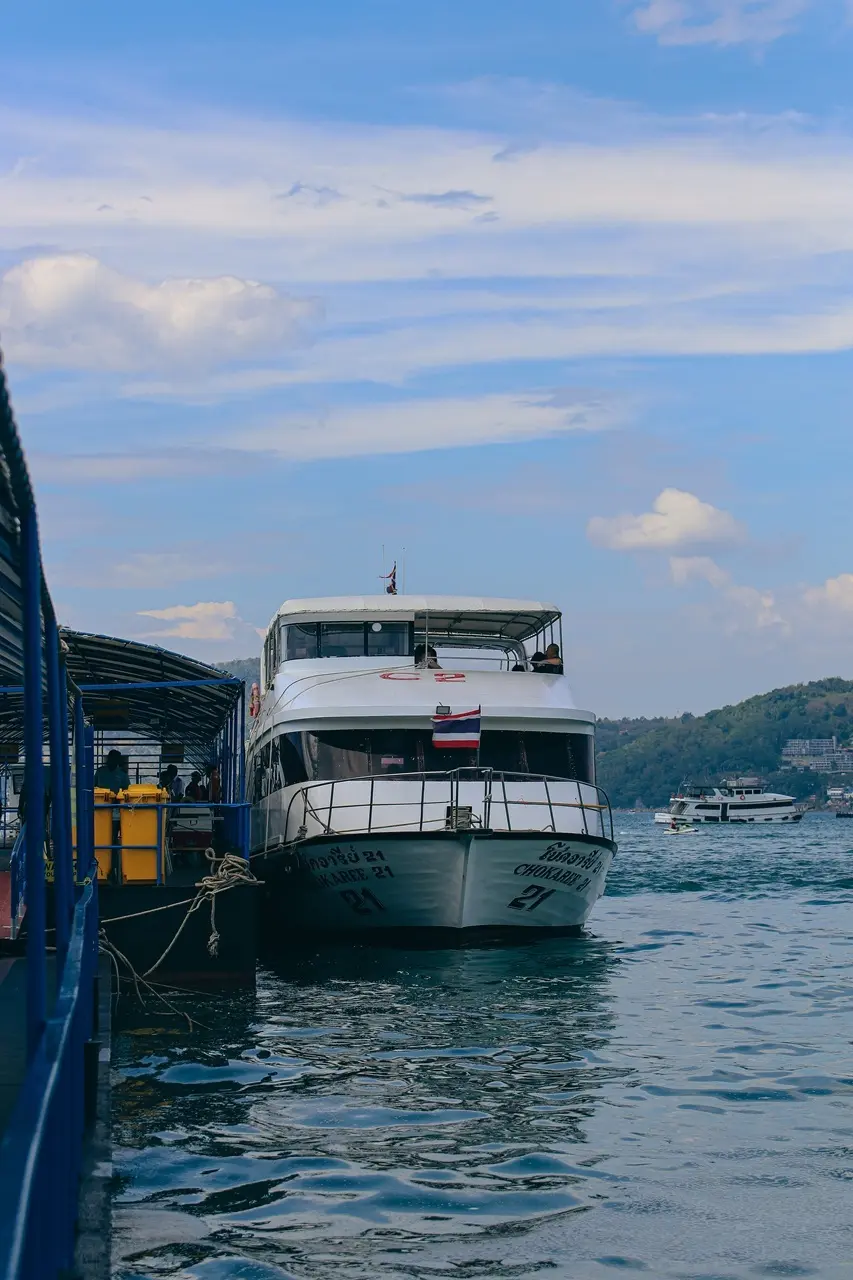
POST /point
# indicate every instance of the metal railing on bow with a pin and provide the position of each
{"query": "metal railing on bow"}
(459, 799)
(40, 1150)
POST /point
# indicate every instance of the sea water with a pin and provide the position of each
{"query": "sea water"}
(671, 1094)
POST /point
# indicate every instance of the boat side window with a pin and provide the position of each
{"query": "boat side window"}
(341, 639)
(356, 753)
(389, 639)
(395, 751)
(502, 751)
(293, 769)
(561, 755)
(259, 780)
(301, 641)
(342, 753)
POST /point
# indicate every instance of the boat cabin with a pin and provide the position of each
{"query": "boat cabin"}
(397, 630)
(415, 657)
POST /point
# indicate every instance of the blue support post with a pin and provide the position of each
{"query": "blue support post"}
(63, 899)
(244, 816)
(89, 764)
(85, 798)
(64, 733)
(34, 781)
(226, 775)
(234, 749)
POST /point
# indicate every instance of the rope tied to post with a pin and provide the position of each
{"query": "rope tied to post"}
(227, 872)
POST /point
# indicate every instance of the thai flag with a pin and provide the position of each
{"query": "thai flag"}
(459, 730)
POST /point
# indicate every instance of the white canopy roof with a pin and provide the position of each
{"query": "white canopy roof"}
(446, 615)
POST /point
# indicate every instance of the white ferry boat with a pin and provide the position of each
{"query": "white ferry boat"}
(738, 800)
(410, 767)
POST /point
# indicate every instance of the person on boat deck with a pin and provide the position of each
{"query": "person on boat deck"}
(112, 775)
(538, 657)
(552, 663)
(170, 782)
(214, 783)
(426, 657)
(196, 790)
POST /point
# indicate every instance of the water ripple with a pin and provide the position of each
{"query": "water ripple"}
(670, 1095)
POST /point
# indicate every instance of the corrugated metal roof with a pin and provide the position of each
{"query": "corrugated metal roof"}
(191, 715)
(445, 615)
(11, 614)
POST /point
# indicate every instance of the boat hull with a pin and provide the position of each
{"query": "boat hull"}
(444, 881)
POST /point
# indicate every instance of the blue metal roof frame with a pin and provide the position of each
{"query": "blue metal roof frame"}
(167, 696)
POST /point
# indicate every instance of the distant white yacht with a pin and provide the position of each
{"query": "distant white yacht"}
(738, 800)
(410, 767)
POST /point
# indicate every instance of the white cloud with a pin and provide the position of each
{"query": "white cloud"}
(141, 569)
(207, 620)
(410, 426)
(677, 519)
(69, 310)
(399, 426)
(747, 608)
(684, 569)
(835, 594)
(153, 568)
(178, 464)
(666, 208)
(720, 22)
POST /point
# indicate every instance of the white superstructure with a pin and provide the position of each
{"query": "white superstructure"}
(366, 823)
(738, 800)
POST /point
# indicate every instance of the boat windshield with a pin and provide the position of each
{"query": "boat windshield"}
(341, 754)
(348, 640)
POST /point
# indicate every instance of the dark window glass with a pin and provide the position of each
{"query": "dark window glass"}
(388, 639)
(290, 755)
(340, 753)
(560, 755)
(501, 750)
(563, 755)
(341, 639)
(357, 753)
(259, 778)
(301, 641)
(397, 750)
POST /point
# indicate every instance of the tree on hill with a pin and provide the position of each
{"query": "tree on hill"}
(246, 669)
(648, 759)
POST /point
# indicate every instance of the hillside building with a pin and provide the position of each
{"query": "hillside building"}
(822, 755)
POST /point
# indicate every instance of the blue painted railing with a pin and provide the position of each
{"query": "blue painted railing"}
(40, 1152)
(18, 880)
(40, 1161)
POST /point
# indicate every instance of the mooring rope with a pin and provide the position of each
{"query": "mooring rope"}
(231, 871)
(226, 873)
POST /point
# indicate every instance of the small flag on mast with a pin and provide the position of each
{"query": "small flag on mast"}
(391, 579)
(461, 729)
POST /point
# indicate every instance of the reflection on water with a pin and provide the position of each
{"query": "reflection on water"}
(672, 1094)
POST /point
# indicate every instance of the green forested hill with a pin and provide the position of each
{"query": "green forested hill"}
(646, 759)
(246, 669)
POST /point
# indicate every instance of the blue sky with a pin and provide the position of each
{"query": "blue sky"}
(555, 297)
